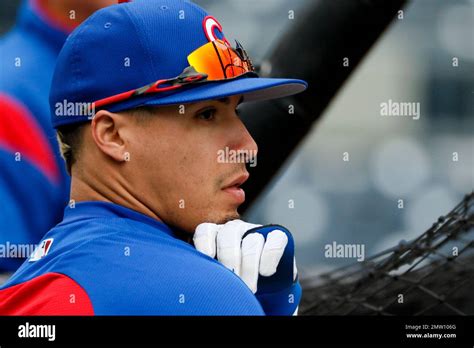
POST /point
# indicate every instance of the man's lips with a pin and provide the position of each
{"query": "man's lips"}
(234, 189)
(238, 181)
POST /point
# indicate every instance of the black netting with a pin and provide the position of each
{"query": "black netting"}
(430, 275)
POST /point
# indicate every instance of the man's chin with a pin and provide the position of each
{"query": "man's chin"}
(216, 217)
(235, 216)
(222, 219)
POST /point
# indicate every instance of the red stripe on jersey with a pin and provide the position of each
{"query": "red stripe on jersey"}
(48, 294)
(20, 132)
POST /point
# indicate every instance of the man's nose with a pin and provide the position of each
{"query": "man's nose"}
(242, 139)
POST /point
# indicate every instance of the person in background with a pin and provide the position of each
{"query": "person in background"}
(34, 185)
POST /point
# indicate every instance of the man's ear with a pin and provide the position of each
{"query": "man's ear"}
(106, 130)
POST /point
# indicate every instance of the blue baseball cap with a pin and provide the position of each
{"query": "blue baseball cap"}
(129, 45)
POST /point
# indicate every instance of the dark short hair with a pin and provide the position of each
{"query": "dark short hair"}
(70, 140)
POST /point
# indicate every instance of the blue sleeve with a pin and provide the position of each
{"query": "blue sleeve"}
(29, 205)
(282, 302)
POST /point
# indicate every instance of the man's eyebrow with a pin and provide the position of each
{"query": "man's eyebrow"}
(227, 100)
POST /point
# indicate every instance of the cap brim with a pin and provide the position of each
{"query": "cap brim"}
(251, 88)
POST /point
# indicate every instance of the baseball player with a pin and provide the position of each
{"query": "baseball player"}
(143, 98)
(34, 185)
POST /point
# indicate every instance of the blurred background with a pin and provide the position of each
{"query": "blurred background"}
(391, 158)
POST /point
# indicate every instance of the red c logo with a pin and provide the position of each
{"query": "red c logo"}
(210, 24)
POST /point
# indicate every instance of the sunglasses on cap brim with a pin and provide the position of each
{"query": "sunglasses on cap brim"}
(214, 61)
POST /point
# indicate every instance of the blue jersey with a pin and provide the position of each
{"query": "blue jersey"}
(33, 183)
(104, 259)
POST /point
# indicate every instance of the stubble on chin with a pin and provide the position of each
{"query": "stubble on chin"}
(222, 219)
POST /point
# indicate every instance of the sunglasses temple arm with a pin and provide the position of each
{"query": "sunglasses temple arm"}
(114, 99)
(126, 95)
(152, 88)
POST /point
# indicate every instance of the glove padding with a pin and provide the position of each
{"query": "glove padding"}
(262, 256)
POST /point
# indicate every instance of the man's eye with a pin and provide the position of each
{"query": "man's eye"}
(207, 115)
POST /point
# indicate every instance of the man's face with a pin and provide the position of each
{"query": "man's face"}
(179, 162)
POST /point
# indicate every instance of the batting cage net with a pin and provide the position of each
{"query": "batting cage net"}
(430, 275)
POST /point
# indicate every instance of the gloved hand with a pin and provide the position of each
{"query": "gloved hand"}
(262, 256)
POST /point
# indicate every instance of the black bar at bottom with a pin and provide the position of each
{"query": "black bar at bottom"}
(454, 331)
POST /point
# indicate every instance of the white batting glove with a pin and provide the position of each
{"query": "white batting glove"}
(249, 257)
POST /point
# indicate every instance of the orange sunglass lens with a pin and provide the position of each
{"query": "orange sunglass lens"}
(206, 60)
(216, 57)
